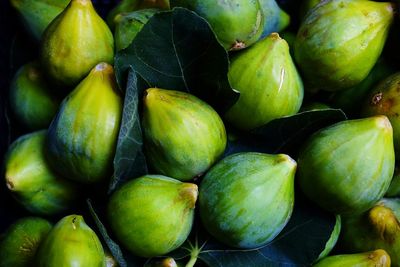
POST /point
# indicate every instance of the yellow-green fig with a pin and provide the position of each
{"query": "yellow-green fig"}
(31, 180)
(71, 242)
(377, 258)
(18, 245)
(82, 137)
(153, 214)
(269, 84)
(75, 42)
(183, 136)
(339, 41)
(32, 100)
(347, 167)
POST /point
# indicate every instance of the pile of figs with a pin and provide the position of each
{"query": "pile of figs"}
(320, 55)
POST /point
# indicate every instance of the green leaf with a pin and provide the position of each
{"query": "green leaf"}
(177, 50)
(129, 160)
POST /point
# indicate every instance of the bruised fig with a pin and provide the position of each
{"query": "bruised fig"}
(377, 258)
(31, 99)
(19, 243)
(153, 214)
(82, 137)
(71, 242)
(36, 15)
(269, 84)
(236, 23)
(247, 198)
(31, 180)
(183, 136)
(378, 228)
(347, 167)
(128, 25)
(75, 42)
(385, 100)
(339, 42)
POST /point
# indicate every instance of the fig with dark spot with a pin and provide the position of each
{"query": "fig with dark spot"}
(377, 258)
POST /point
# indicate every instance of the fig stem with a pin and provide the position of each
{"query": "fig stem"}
(194, 254)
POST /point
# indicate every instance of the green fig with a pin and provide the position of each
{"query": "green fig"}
(377, 258)
(36, 15)
(71, 242)
(347, 167)
(306, 6)
(384, 99)
(345, 99)
(236, 189)
(394, 188)
(378, 228)
(75, 42)
(236, 23)
(275, 19)
(183, 136)
(128, 25)
(19, 243)
(31, 180)
(269, 84)
(31, 99)
(158, 211)
(340, 41)
(82, 137)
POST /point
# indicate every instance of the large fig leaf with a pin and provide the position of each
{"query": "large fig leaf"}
(178, 50)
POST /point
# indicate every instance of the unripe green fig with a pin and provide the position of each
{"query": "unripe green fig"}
(235, 191)
(275, 19)
(183, 136)
(394, 188)
(31, 180)
(19, 243)
(128, 25)
(377, 258)
(71, 242)
(75, 42)
(269, 84)
(378, 228)
(237, 23)
(31, 98)
(36, 15)
(339, 42)
(384, 99)
(153, 214)
(82, 137)
(347, 167)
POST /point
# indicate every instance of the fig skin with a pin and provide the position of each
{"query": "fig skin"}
(153, 214)
(18, 245)
(74, 43)
(82, 138)
(237, 188)
(183, 136)
(347, 167)
(377, 258)
(31, 180)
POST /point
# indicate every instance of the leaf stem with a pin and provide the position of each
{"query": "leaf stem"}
(194, 254)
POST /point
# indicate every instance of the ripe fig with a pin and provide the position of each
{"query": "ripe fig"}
(347, 167)
(129, 24)
(82, 137)
(31, 99)
(31, 180)
(269, 84)
(384, 99)
(75, 42)
(19, 243)
(71, 242)
(378, 228)
(237, 188)
(275, 19)
(183, 136)
(153, 214)
(36, 15)
(377, 258)
(339, 42)
(236, 23)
